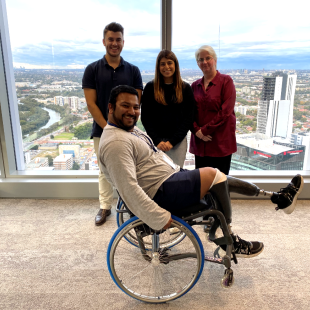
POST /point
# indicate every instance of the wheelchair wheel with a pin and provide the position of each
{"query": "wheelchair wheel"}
(170, 237)
(157, 274)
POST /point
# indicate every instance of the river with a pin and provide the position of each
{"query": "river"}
(54, 118)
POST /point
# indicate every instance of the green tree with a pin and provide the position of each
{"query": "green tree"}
(35, 147)
(50, 160)
(140, 126)
(75, 166)
(52, 136)
(83, 132)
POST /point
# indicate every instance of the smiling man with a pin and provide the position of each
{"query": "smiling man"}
(98, 80)
(153, 187)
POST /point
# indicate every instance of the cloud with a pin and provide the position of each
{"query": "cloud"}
(68, 33)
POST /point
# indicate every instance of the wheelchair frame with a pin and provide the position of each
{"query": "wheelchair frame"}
(141, 261)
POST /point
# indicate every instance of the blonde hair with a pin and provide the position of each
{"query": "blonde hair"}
(207, 48)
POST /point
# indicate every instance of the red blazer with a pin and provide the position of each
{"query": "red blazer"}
(215, 116)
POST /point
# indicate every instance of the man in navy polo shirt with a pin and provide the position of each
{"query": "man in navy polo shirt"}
(98, 80)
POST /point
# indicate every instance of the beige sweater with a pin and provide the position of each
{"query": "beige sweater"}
(136, 171)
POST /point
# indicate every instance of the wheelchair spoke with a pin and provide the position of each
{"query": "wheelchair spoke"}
(138, 273)
(166, 274)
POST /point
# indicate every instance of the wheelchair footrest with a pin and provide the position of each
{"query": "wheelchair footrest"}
(213, 259)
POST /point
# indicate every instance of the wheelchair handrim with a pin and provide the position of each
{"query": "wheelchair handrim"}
(158, 299)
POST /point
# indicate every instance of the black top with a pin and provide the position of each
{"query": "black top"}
(169, 122)
(100, 76)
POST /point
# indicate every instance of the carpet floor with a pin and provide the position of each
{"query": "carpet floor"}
(52, 256)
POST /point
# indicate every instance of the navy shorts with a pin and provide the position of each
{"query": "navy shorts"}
(181, 190)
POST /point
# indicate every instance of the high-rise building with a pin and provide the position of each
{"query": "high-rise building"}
(275, 109)
(59, 100)
(241, 109)
(74, 103)
(63, 162)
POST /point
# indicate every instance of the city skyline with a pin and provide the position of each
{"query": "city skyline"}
(242, 37)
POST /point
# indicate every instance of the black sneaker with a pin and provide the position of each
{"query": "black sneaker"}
(242, 248)
(287, 197)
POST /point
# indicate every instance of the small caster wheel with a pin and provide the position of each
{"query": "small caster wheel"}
(228, 279)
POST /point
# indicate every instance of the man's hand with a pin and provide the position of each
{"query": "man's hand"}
(168, 224)
(91, 99)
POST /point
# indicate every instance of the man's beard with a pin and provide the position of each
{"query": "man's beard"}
(120, 123)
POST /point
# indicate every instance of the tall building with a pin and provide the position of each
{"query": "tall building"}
(275, 109)
(63, 162)
(74, 103)
(59, 100)
(241, 109)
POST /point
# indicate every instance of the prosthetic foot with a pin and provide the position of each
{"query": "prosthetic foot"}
(286, 198)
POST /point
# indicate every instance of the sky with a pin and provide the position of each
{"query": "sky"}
(245, 35)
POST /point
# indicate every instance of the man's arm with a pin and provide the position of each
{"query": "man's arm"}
(140, 94)
(119, 161)
(91, 98)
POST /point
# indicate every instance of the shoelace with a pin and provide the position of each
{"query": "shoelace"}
(286, 190)
(242, 244)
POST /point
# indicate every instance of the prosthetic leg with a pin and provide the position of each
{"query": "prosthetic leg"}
(246, 188)
(220, 194)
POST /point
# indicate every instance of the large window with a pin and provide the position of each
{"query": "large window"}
(45, 48)
(50, 48)
(265, 49)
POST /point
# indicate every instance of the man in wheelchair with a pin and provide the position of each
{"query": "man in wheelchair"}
(153, 187)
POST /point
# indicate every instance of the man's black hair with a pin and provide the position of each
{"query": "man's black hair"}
(115, 27)
(119, 90)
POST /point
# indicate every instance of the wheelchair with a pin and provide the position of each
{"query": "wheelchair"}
(160, 266)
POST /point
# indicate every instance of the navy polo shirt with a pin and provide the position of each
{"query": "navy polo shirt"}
(100, 76)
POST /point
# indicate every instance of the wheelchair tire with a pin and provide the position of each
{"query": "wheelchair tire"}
(141, 276)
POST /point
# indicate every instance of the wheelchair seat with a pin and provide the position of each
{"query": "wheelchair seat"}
(192, 209)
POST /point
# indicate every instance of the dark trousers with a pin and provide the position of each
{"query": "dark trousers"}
(221, 163)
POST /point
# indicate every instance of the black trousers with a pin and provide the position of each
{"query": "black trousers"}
(221, 163)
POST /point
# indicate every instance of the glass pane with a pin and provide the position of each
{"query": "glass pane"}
(51, 46)
(266, 52)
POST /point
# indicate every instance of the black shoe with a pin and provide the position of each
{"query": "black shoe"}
(286, 198)
(242, 248)
(102, 216)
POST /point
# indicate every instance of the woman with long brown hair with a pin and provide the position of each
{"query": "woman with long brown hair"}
(167, 110)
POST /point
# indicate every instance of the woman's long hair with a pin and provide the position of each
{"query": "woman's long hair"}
(159, 80)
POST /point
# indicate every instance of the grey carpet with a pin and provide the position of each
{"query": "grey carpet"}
(52, 256)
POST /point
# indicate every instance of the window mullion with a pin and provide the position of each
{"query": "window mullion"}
(166, 24)
(9, 108)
